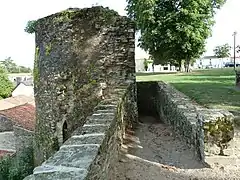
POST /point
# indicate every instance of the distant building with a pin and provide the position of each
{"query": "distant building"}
(139, 65)
(153, 68)
(213, 62)
(17, 78)
(16, 129)
(24, 88)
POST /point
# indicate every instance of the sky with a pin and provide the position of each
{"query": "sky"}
(20, 46)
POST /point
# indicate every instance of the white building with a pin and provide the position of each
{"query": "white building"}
(23, 89)
(213, 62)
(139, 67)
(156, 68)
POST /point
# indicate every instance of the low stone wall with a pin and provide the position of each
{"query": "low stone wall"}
(92, 150)
(24, 149)
(23, 138)
(207, 131)
(5, 124)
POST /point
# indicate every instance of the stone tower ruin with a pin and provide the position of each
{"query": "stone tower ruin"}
(81, 55)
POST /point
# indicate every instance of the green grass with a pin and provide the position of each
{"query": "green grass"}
(214, 88)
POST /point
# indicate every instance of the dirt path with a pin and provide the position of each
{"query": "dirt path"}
(153, 152)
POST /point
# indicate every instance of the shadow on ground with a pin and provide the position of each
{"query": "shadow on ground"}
(154, 152)
(154, 73)
(156, 142)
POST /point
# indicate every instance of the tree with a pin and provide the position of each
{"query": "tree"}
(173, 30)
(222, 51)
(11, 67)
(30, 27)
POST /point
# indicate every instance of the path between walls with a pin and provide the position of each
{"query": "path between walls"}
(154, 152)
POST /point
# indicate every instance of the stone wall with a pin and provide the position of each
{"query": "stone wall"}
(207, 131)
(23, 139)
(146, 97)
(81, 55)
(5, 124)
(92, 151)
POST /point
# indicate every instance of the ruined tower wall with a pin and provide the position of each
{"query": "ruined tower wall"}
(81, 55)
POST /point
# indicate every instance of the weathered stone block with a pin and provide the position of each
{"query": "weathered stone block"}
(74, 141)
(60, 173)
(91, 129)
(74, 156)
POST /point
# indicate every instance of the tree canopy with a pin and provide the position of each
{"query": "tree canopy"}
(11, 67)
(173, 30)
(222, 51)
(30, 27)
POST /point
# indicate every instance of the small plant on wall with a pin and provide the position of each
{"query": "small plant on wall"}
(145, 63)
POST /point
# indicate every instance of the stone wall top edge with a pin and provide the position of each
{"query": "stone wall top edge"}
(93, 9)
(182, 100)
(21, 128)
(94, 134)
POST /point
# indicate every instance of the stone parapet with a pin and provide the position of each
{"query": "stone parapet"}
(208, 131)
(92, 150)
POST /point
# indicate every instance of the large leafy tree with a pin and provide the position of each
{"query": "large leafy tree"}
(222, 51)
(173, 30)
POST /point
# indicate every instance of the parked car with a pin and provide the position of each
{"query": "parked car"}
(231, 64)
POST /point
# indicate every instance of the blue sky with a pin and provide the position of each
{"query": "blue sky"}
(14, 14)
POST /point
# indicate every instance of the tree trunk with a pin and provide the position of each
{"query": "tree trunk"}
(238, 79)
(181, 64)
(187, 66)
(145, 68)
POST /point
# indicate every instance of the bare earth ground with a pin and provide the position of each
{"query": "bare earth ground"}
(153, 152)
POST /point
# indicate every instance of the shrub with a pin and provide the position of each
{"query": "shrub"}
(6, 86)
(17, 167)
(30, 28)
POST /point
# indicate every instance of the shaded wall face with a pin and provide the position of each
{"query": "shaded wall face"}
(80, 57)
(5, 124)
(147, 98)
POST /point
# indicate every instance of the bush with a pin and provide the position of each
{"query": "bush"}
(30, 28)
(17, 167)
(5, 163)
(6, 86)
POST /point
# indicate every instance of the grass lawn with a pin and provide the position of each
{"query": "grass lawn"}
(214, 88)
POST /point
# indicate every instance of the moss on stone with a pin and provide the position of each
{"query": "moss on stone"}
(48, 49)
(65, 16)
(35, 69)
